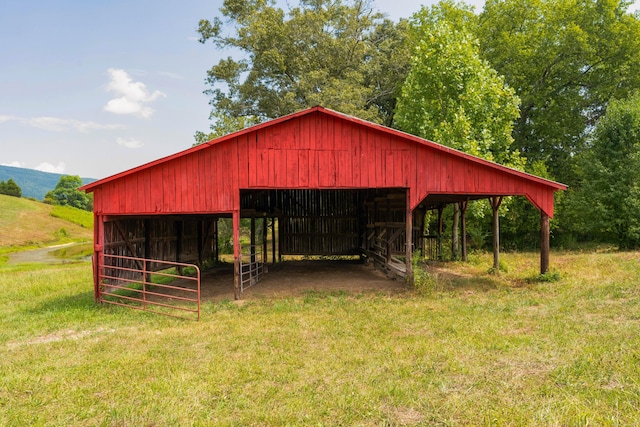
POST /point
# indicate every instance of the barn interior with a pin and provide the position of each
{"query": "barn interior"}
(313, 226)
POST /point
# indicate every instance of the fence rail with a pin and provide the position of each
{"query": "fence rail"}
(128, 282)
(252, 267)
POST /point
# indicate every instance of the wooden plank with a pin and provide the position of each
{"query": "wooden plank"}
(303, 169)
(243, 160)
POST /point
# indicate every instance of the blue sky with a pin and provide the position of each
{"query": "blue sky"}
(93, 88)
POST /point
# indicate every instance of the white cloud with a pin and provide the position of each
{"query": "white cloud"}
(171, 75)
(56, 124)
(15, 164)
(7, 118)
(131, 97)
(129, 142)
(48, 167)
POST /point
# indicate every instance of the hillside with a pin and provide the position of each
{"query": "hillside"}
(28, 223)
(34, 184)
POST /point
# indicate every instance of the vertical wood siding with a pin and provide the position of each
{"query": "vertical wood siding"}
(316, 150)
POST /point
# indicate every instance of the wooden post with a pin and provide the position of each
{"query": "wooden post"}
(236, 254)
(98, 253)
(455, 243)
(273, 240)
(265, 246)
(216, 255)
(409, 241)
(147, 249)
(544, 242)
(439, 242)
(463, 220)
(495, 205)
(179, 231)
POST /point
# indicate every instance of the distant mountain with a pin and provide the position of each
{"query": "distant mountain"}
(33, 183)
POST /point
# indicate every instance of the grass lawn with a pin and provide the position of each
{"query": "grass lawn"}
(465, 348)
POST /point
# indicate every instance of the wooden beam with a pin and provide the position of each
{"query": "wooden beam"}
(455, 228)
(463, 221)
(98, 253)
(236, 254)
(495, 229)
(544, 242)
(127, 242)
(273, 240)
(409, 243)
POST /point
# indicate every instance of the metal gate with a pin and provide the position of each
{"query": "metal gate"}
(162, 287)
(252, 266)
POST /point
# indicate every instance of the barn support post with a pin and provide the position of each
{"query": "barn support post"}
(455, 228)
(273, 240)
(544, 242)
(265, 246)
(409, 241)
(236, 254)
(495, 228)
(147, 249)
(98, 252)
(463, 223)
(252, 242)
(439, 243)
(179, 225)
(215, 244)
(201, 237)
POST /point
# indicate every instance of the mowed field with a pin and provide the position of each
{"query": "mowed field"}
(463, 348)
(27, 223)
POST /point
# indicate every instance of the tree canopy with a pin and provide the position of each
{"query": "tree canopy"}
(566, 60)
(340, 54)
(451, 95)
(10, 188)
(66, 193)
(609, 192)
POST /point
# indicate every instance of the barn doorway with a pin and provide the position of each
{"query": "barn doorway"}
(338, 225)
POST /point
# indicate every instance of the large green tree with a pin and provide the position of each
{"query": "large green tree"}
(451, 95)
(66, 193)
(337, 53)
(606, 205)
(566, 59)
(10, 188)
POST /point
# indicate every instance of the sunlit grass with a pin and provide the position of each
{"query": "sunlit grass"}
(471, 348)
(77, 216)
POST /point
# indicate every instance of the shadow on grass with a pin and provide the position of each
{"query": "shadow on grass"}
(452, 282)
(78, 302)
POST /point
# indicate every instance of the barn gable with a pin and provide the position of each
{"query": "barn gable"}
(313, 149)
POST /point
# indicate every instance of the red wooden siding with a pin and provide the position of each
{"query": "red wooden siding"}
(313, 149)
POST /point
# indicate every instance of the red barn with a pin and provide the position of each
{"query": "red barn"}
(336, 184)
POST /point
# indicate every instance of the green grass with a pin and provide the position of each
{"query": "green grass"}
(27, 224)
(466, 348)
(74, 215)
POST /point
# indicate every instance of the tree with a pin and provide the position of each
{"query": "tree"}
(565, 59)
(10, 188)
(454, 97)
(609, 192)
(335, 53)
(66, 193)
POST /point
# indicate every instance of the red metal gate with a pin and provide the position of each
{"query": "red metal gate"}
(157, 286)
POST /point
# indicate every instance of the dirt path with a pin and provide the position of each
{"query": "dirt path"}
(294, 278)
(297, 277)
(41, 255)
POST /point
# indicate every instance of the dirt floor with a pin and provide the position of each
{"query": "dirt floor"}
(294, 278)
